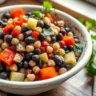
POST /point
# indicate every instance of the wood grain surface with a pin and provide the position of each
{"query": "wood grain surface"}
(78, 85)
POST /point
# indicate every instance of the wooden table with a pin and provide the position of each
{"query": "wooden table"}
(78, 85)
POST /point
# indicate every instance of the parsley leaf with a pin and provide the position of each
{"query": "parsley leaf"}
(48, 31)
(37, 14)
(81, 20)
(93, 37)
(47, 7)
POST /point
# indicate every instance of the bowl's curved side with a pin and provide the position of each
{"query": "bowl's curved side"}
(59, 79)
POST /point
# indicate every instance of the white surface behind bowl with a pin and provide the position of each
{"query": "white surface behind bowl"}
(31, 88)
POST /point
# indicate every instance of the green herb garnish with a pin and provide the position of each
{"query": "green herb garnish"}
(48, 31)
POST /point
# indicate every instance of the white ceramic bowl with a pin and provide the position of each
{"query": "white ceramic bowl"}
(31, 88)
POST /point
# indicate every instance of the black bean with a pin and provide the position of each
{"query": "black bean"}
(29, 40)
(53, 38)
(40, 24)
(20, 65)
(35, 57)
(76, 39)
(9, 38)
(25, 65)
(71, 48)
(1, 23)
(26, 28)
(62, 64)
(77, 58)
(59, 36)
(37, 51)
(62, 30)
(6, 15)
(2, 35)
(3, 75)
(57, 59)
(28, 14)
(41, 37)
(65, 48)
(40, 63)
(4, 20)
(1, 67)
(67, 29)
(46, 24)
(4, 24)
(28, 56)
(27, 33)
(68, 66)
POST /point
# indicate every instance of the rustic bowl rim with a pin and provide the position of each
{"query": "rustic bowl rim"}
(62, 77)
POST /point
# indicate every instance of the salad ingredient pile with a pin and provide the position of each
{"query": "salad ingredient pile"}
(34, 46)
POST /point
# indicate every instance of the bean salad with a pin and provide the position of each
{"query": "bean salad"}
(34, 47)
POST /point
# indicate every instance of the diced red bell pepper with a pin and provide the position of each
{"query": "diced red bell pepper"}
(35, 34)
(8, 28)
(44, 44)
(46, 73)
(7, 56)
(50, 17)
(69, 40)
(15, 32)
(17, 12)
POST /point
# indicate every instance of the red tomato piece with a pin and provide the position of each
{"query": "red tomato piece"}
(45, 44)
(62, 43)
(7, 56)
(8, 28)
(69, 40)
(50, 17)
(15, 32)
(46, 73)
(35, 34)
(17, 12)
(42, 49)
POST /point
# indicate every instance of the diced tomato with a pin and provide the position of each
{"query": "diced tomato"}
(45, 44)
(7, 56)
(50, 17)
(42, 49)
(17, 12)
(15, 32)
(19, 22)
(46, 73)
(69, 40)
(8, 28)
(35, 34)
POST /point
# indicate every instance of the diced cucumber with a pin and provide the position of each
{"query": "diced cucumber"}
(70, 58)
(44, 57)
(20, 48)
(17, 76)
(18, 58)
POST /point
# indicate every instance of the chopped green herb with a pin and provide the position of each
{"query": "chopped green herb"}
(93, 37)
(37, 14)
(81, 20)
(48, 31)
(48, 7)
(57, 53)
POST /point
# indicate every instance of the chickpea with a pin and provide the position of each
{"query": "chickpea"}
(22, 70)
(15, 41)
(62, 70)
(61, 22)
(37, 44)
(1, 41)
(23, 43)
(55, 32)
(51, 63)
(49, 49)
(32, 63)
(70, 34)
(77, 54)
(61, 51)
(24, 24)
(48, 39)
(20, 37)
(44, 65)
(46, 19)
(30, 77)
(29, 48)
(18, 28)
(15, 19)
(13, 68)
(56, 46)
(4, 45)
(52, 25)
(5, 37)
(57, 28)
(38, 29)
(36, 69)
(10, 21)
